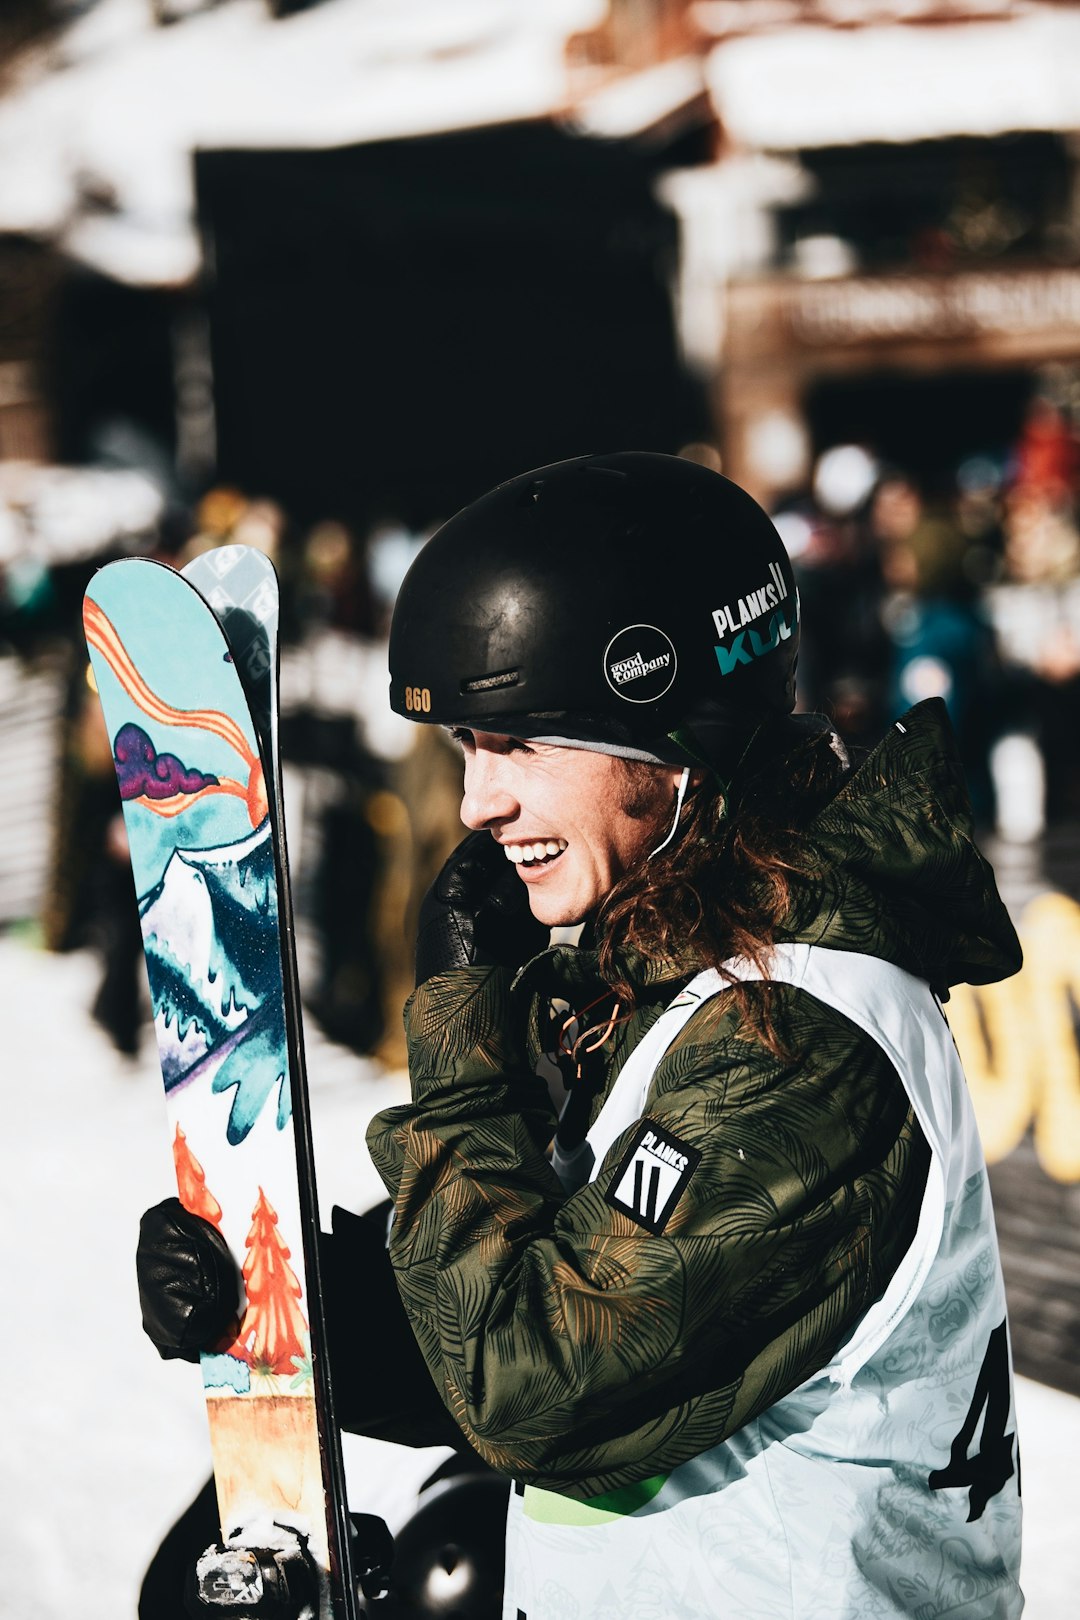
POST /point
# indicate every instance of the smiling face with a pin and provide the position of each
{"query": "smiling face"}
(572, 822)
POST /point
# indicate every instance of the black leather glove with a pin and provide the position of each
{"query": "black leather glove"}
(476, 913)
(189, 1287)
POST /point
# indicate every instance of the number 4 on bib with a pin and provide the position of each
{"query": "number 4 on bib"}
(986, 1473)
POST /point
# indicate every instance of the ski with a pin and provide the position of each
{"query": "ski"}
(191, 708)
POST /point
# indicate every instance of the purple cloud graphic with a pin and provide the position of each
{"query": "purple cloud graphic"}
(141, 770)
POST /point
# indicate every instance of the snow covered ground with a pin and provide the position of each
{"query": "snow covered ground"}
(103, 1444)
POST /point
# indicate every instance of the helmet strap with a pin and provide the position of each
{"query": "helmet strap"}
(679, 798)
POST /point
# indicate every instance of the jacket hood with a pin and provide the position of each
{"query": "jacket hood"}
(895, 869)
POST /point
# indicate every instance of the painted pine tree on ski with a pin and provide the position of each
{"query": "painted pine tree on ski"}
(200, 785)
(273, 1334)
(191, 1182)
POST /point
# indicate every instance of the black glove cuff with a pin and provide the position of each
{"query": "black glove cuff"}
(441, 943)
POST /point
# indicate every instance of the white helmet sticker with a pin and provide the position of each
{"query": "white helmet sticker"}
(640, 663)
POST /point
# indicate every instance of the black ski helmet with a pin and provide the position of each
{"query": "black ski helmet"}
(637, 603)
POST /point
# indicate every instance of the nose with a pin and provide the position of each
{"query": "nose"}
(488, 800)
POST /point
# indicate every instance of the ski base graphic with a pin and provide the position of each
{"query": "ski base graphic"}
(200, 786)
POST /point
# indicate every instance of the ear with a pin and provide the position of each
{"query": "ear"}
(679, 786)
(695, 777)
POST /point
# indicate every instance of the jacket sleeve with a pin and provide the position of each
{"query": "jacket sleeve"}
(575, 1347)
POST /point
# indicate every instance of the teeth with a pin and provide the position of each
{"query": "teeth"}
(528, 853)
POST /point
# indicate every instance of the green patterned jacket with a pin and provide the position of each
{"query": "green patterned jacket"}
(575, 1348)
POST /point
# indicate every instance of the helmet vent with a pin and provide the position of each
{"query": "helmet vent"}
(491, 683)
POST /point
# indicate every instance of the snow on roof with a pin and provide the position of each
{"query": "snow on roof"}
(96, 141)
(630, 103)
(807, 86)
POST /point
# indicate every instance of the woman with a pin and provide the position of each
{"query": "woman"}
(736, 1328)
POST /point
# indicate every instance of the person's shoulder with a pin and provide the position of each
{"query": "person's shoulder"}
(766, 1033)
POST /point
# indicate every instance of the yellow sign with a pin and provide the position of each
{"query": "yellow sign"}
(1019, 1042)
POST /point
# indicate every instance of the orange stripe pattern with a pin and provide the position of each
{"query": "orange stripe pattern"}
(101, 635)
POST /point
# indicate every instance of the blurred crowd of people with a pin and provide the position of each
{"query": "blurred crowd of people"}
(968, 590)
(372, 806)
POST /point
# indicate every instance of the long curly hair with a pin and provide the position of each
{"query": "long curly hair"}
(724, 885)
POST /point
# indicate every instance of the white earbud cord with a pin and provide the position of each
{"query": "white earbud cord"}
(679, 797)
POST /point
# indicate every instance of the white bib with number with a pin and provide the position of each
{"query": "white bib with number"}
(885, 1485)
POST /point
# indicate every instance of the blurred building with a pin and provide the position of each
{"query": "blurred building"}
(887, 245)
(411, 246)
(363, 258)
(408, 247)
